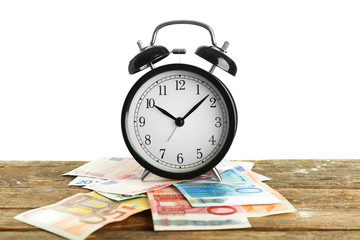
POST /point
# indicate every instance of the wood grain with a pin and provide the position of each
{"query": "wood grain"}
(325, 192)
(192, 235)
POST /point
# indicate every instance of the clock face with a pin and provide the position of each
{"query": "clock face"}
(178, 121)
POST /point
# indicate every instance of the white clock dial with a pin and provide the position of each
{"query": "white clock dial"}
(177, 121)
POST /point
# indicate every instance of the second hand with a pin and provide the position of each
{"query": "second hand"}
(172, 133)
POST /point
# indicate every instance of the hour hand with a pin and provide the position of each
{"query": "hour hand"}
(165, 112)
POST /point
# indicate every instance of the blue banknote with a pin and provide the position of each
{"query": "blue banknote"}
(235, 189)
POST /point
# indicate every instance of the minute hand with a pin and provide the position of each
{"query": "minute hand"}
(195, 107)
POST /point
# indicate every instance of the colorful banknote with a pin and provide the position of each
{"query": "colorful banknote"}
(217, 194)
(229, 164)
(226, 164)
(107, 168)
(78, 216)
(131, 184)
(284, 206)
(121, 197)
(269, 209)
(171, 211)
(82, 181)
(235, 189)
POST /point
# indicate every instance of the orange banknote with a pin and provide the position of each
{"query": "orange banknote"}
(78, 216)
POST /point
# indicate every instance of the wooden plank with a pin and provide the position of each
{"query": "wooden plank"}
(310, 220)
(303, 220)
(325, 192)
(213, 235)
(35, 174)
(229, 234)
(300, 198)
(340, 174)
(311, 173)
(39, 234)
(322, 198)
(287, 173)
(34, 198)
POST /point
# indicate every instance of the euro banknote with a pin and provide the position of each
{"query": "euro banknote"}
(107, 168)
(218, 194)
(171, 211)
(131, 184)
(229, 164)
(238, 173)
(235, 189)
(82, 181)
(262, 177)
(121, 197)
(78, 216)
(284, 206)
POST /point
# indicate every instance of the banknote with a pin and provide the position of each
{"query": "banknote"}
(218, 194)
(107, 168)
(235, 189)
(171, 211)
(82, 181)
(120, 197)
(236, 175)
(78, 216)
(284, 206)
(269, 209)
(131, 184)
(262, 177)
(226, 164)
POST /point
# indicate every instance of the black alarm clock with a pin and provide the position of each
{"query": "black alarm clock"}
(178, 121)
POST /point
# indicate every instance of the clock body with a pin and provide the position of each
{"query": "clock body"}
(178, 121)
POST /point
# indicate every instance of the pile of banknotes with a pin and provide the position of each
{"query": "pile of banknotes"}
(197, 204)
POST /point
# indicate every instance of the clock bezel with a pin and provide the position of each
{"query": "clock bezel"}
(232, 121)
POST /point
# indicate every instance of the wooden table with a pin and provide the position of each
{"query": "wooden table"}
(326, 194)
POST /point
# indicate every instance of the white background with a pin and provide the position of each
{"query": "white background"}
(63, 73)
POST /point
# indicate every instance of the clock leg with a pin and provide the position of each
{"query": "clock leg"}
(144, 174)
(214, 172)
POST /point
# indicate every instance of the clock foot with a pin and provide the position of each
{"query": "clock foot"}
(144, 174)
(214, 172)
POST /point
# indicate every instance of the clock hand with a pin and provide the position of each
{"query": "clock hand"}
(165, 112)
(178, 121)
(195, 107)
(172, 133)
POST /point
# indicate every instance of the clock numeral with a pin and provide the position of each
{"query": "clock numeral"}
(218, 122)
(180, 85)
(150, 103)
(197, 89)
(162, 90)
(212, 140)
(199, 153)
(147, 139)
(141, 121)
(162, 150)
(213, 101)
(179, 158)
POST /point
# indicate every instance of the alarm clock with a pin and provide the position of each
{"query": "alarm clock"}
(178, 120)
